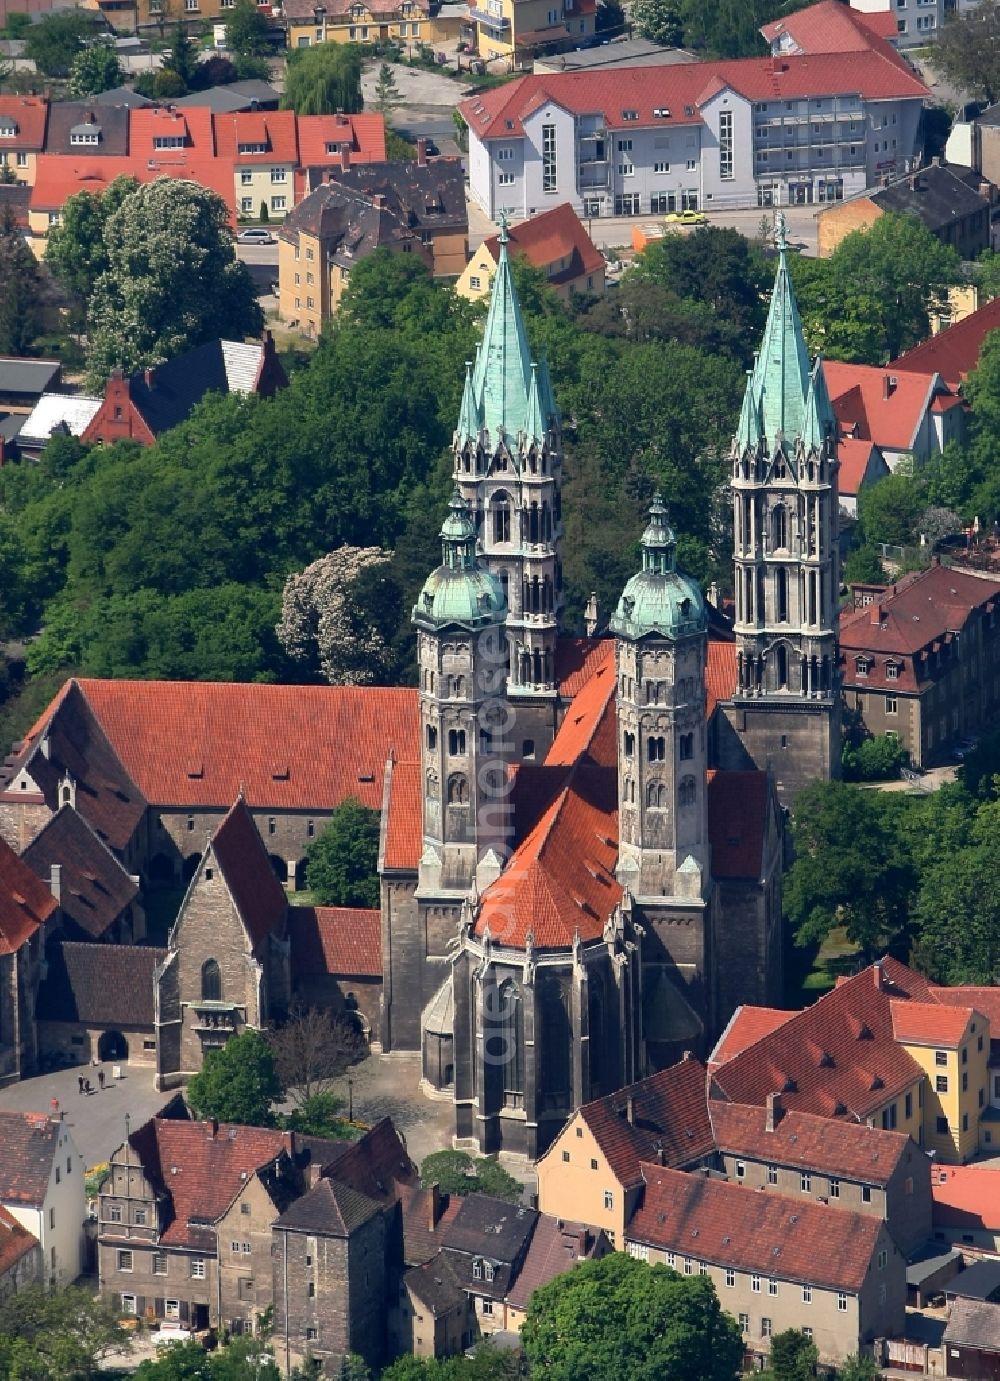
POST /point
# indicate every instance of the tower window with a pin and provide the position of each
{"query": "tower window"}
(687, 791)
(686, 747)
(211, 982)
(501, 517)
(779, 527)
(656, 750)
(782, 594)
(432, 736)
(628, 745)
(456, 741)
(656, 796)
(458, 791)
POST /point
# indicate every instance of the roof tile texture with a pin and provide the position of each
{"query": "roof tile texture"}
(335, 940)
(807, 1142)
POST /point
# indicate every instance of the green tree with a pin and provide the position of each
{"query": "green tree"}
(834, 883)
(75, 252)
(863, 566)
(323, 80)
(858, 1368)
(56, 1333)
(172, 280)
(342, 861)
(237, 1083)
(877, 759)
(21, 282)
(56, 39)
(659, 21)
(967, 51)
(18, 24)
(889, 510)
(793, 1356)
(619, 1317)
(95, 69)
(181, 56)
(246, 30)
(454, 1172)
(387, 96)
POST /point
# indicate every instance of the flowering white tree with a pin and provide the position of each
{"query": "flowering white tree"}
(321, 617)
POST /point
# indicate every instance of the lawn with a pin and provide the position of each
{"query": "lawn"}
(812, 971)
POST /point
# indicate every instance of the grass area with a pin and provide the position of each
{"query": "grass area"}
(812, 971)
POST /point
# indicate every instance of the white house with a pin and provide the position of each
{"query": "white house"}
(42, 1186)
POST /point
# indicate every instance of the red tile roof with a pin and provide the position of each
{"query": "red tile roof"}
(193, 124)
(966, 1196)
(807, 1142)
(257, 894)
(919, 609)
(777, 1236)
(858, 394)
(15, 1241)
(876, 73)
(576, 661)
(855, 456)
(554, 235)
(832, 27)
(720, 674)
(402, 823)
(746, 1027)
(420, 1239)
(954, 353)
(837, 1058)
(198, 743)
(930, 1023)
(669, 1117)
(275, 129)
(985, 1000)
(29, 1141)
(25, 901)
(29, 114)
(591, 714)
(60, 176)
(555, 1247)
(738, 804)
(335, 940)
(364, 133)
(94, 888)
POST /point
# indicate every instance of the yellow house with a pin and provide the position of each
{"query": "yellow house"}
(554, 242)
(22, 135)
(952, 1047)
(516, 29)
(591, 1172)
(357, 21)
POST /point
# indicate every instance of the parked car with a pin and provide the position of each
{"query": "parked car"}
(685, 218)
(255, 237)
(431, 149)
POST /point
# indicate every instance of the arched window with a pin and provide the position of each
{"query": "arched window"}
(432, 736)
(686, 747)
(557, 1041)
(782, 595)
(456, 741)
(687, 791)
(781, 666)
(628, 744)
(511, 1052)
(67, 795)
(458, 791)
(211, 982)
(501, 516)
(656, 749)
(779, 527)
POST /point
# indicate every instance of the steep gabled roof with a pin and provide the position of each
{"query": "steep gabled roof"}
(335, 940)
(555, 1247)
(253, 884)
(954, 353)
(330, 1208)
(746, 1027)
(94, 888)
(554, 235)
(918, 610)
(29, 1142)
(930, 1023)
(25, 901)
(377, 1165)
(833, 27)
(100, 985)
(29, 115)
(805, 1141)
(770, 1234)
(883, 405)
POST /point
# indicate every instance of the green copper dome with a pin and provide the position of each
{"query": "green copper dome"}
(660, 599)
(460, 591)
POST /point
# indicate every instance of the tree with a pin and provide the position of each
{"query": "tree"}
(75, 251)
(889, 510)
(858, 1368)
(216, 70)
(387, 96)
(864, 566)
(967, 51)
(323, 621)
(246, 30)
(95, 69)
(342, 861)
(876, 759)
(610, 17)
(659, 21)
(181, 56)
(18, 301)
(487, 1362)
(793, 1356)
(237, 1083)
(312, 1049)
(56, 39)
(239, 1359)
(172, 280)
(323, 80)
(18, 24)
(56, 1333)
(619, 1317)
(957, 909)
(455, 1172)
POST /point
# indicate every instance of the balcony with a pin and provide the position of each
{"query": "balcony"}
(497, 22)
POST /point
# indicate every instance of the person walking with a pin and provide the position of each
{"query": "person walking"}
(80, 1079)
(100, 1077)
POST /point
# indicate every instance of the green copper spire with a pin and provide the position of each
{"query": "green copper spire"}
(469, 421)
(461, 591)
(820, 419)
(781, 378)
(659, 600)
(503, 366)
(534, 422)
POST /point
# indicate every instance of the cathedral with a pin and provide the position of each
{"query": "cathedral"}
(599, 879)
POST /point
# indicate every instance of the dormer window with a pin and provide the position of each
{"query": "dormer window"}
(8, 129)
(862, 666)
(169, 141)
(892, 671)
(85, 135)
(477, 1269)
(488, 1271)
(630, 115)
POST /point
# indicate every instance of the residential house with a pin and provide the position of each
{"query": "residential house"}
(555, 243)
(953, 353)
(97, 1002)
(862, 464)
(234, 96)
(41, 1185)
(592, 1170)
(409, 208)
(97, 899)
(58, 178)
(20, 1256)
(23, 382)
(82, 128)
(262, 147)
(920, 659)
(556, 1246)
(516, 30)
(151, 401)
(910, 416)
(357, 21)
(966, 1210)
(336, 961)
(952, 1047)
(54, 414)
(971, 1341)
(337, 142)
(26, 908)
(771, 131)
(953, 202)
(911, 23)
(829, 28)
(776, 1262)
(22, 134)
(849, 1166)
(486, 1245)
(227, 966)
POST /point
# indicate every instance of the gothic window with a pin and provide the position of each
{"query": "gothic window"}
(781, 664)
(211, 982)
(458, 791)
(557, 1040)
(628, 791)
(779, 527)
(501, 516)
(458, 687)
(656, 749)
(511, 1052)
(456, 741)
(534, 530)
(505, 586)
(628, 744)
(431, 788)
(595, 1012)
(67, 795)
(686, 792)
(782, 595)
(432, 736)
(656, 796)
(686, 747)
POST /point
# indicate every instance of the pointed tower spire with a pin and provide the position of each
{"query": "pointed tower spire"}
(534, 422)
(469, 419)
(502, 374)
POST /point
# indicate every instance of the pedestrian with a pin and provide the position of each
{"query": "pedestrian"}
(100, 1077)
(80, 1079)
(86, 1086)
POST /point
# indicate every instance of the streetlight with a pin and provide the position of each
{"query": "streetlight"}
(350, 1098)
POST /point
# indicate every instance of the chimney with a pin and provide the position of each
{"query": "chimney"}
(378, 201)
(878, 975)
(661, 1158)
(422, 153)
(345, 157)
(775, 1112)
(877, 614)
(434, 1207)
(149, 374)
(55, 881)
(713, 594)
(630, 1110)
(888, 386)
(212, 1129)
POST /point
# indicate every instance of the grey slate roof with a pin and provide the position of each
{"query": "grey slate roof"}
(978, 1281)
(124, 96)
(94, 888)
(490, 1230)
(437, 1284)
(220, 366)
(976, 1323)
(65, 116)
(100, 985)
(330, 1209)
(416, 197)
(27, 377)
(938, 195)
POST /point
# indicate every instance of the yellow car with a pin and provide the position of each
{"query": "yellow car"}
(685, 218)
